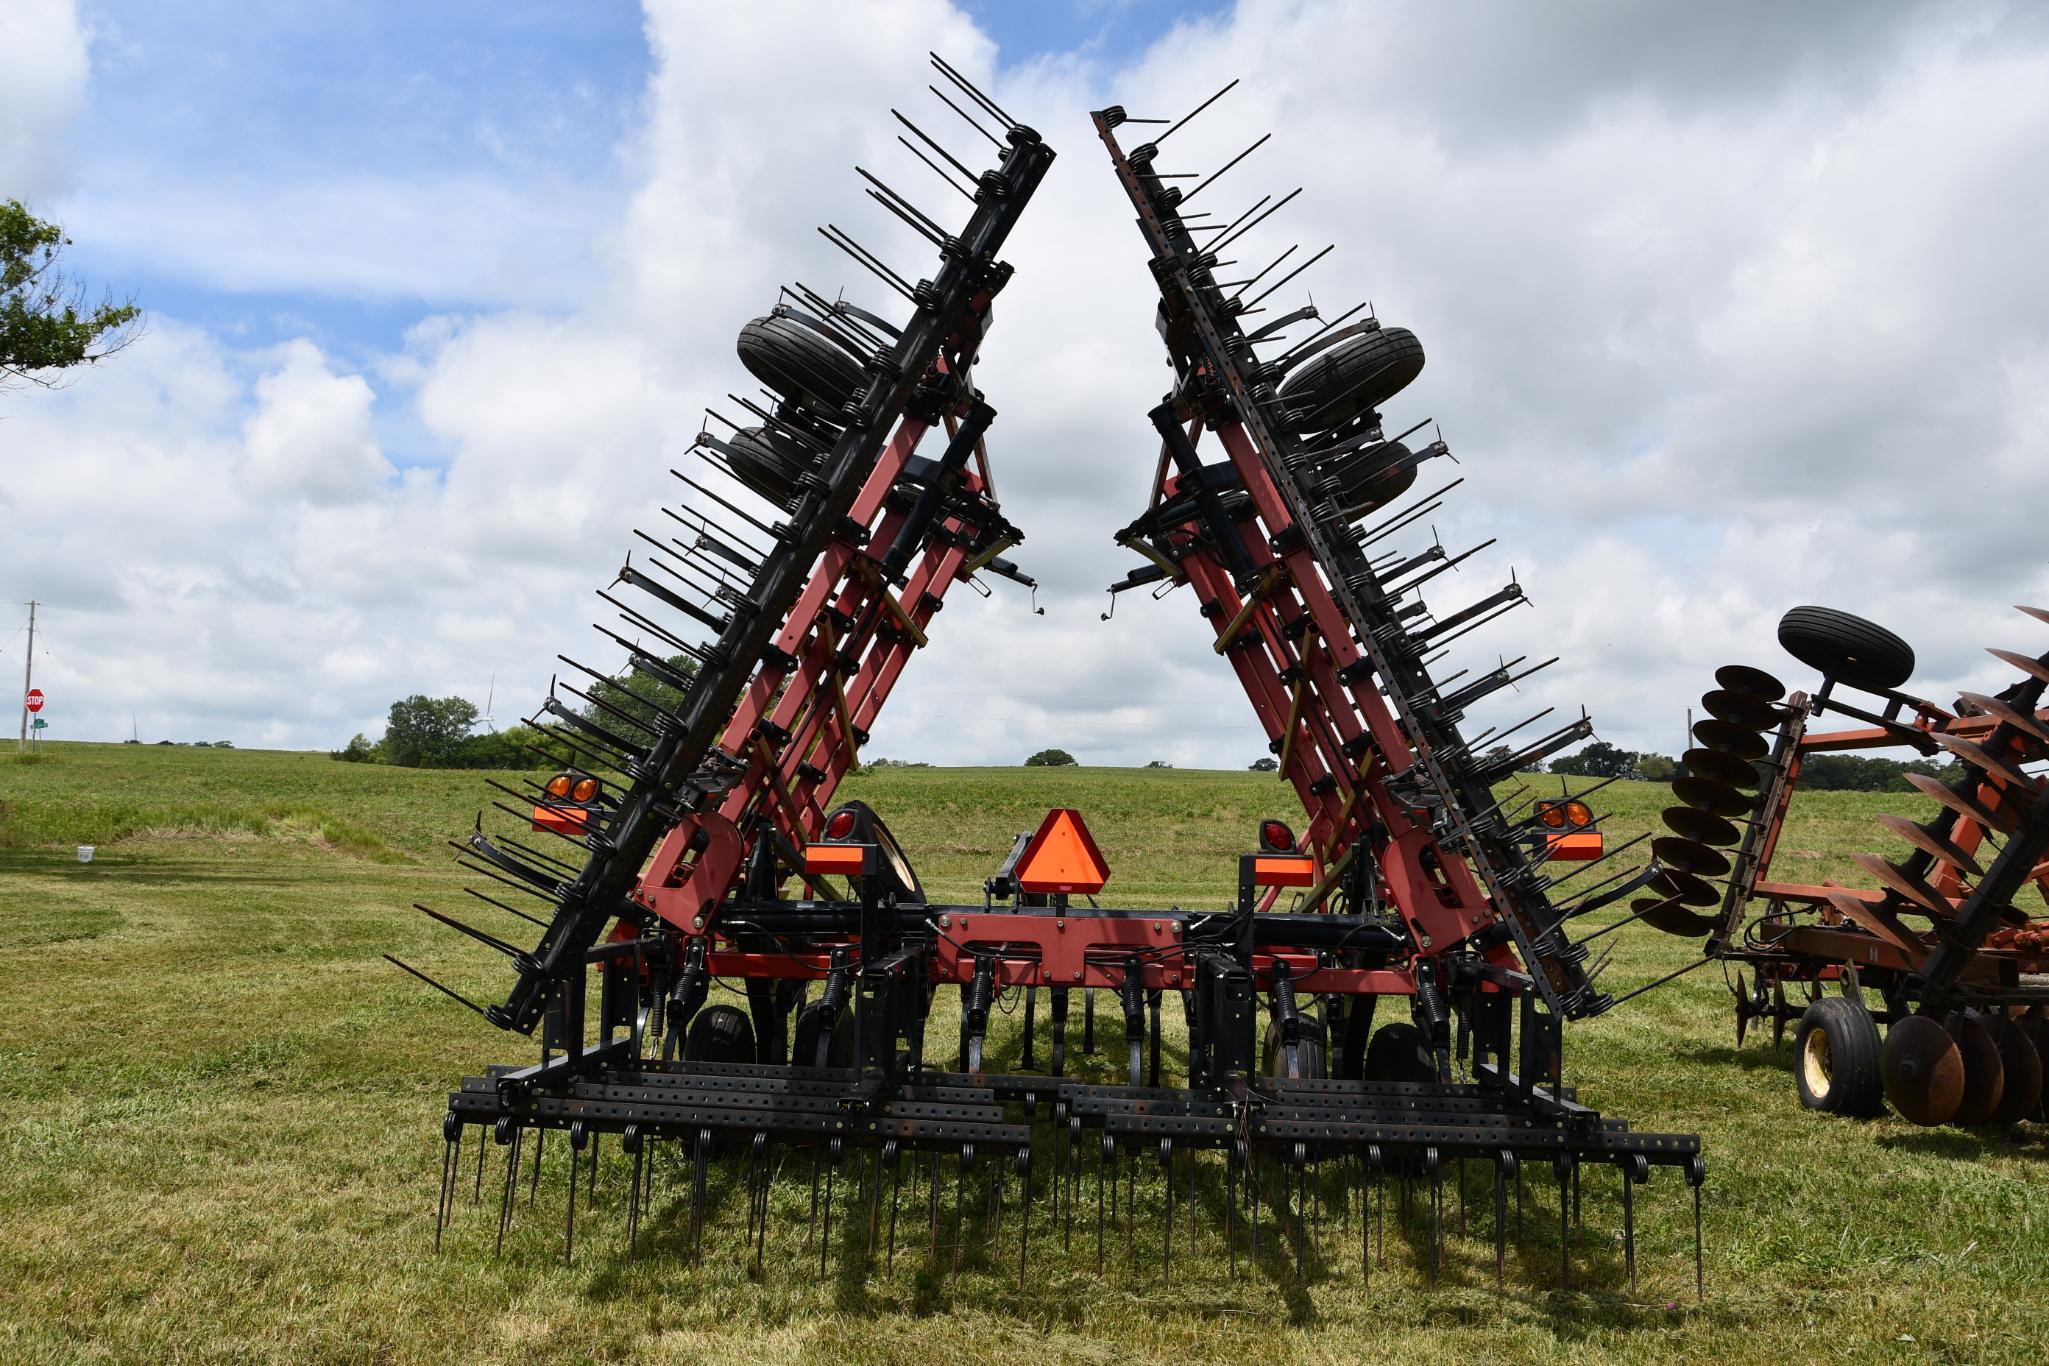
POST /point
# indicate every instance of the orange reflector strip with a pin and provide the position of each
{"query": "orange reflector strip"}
(835, 858)
(1577, 846)
(1283, 870)
(1062, 857)
(567, 820)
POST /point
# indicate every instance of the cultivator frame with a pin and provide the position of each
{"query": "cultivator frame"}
(1938, 951)
(1416, 881)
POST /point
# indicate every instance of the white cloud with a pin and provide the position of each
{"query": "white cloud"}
(1725, 314)
(311, 436)
(42, 86)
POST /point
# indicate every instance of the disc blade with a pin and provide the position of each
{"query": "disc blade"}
(2027, 664)
(1675, 919)
(1745, 679)
(1931, 842)
(1720, 767)
(1905, 883)
(1742, 1008)
(1731, 739)
(1964, 804)
(1690, 856)
(1703, 826)
(1685, 889)
(1778, 1012)
(1984, 1077)
(1873, 918)
(1740, 709)
(2028, 724)
(2021, 1065)
(1923, 1070)
(2035, 1025)
(1981, 758)
(1717, 798)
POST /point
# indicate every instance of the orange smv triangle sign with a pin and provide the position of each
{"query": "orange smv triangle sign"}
(1062, 857)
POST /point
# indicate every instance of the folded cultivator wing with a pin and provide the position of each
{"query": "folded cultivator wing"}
(1941, 950)
(1254, 1087)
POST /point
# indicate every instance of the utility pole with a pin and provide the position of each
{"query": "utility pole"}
(28, 676)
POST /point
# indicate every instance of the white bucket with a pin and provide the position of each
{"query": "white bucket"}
(85, 853)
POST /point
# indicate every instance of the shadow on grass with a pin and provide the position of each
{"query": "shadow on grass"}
(1752, 1057)
(1970, 1145)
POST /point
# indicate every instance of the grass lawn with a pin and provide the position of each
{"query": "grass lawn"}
(219, 1124)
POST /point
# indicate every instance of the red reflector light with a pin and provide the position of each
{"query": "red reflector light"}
(1573, 846)
(1275, 837)
(834, 858)
(840, 825)
(1283, 870)
(564, 820)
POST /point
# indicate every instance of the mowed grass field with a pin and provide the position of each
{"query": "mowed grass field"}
(220, 1111)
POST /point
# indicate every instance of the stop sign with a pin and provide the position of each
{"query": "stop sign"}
(35, 699)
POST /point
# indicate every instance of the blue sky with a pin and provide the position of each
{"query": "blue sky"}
(438, 292)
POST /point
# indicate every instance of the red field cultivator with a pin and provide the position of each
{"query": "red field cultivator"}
(1942, 950)
(1397, 1019)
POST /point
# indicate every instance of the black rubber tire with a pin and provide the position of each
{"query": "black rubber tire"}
(1836, 1059)
(1847, 648)
(767, 462)
(814, 1046)
(799, 362)
(1312, 1054)
(1353, 377)
(720, 1034)
(1399, 1052)
(1361, 481)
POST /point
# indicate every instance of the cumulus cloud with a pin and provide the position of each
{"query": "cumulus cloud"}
(1728, 308)
(42, 85)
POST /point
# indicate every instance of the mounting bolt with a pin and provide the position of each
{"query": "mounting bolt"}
(1059, 922)
(1159, 927)
(963, 922)
(1077, 974)
(945, 922)
(696, 922)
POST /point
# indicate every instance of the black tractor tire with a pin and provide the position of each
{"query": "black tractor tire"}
(720, 1034)
(821, 1042)
(1847, 648)
(1836, 1059)
(1312, 1053)
(768, 462)
(1368, 478)
(799, 362)
(1399, 1052)
(1356, 376)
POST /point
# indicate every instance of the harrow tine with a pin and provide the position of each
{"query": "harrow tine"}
(960, 1185)
(1024, 1213)
(569, 1226)
(874, 1202)
(1102, 1159)
(631, 1141)
(533, 1185)
(450, 1153)
(511, 1178)
(477, 1195)
(699, 1155)
(1501, 1164)
(1182, 121)
(896, 1188)
(1629, 1225)
(1167, 1222)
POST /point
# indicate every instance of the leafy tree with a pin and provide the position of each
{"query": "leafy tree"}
(1158, 763)
(358, 750)
(46, 324)
(638, 693)
(428, 732)
(1051, 758)
(1598, 760)
(1265, 764)
(1656, 768)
